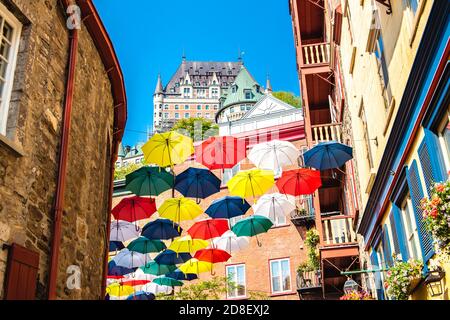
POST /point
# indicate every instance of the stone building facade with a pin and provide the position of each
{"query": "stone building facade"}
(65, 83)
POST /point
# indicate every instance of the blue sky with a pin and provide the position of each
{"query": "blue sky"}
(150, 35)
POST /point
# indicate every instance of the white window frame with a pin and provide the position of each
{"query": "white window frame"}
(235, 266)
(279, 261)
(411, 232)
(11, 67)
(443, 144)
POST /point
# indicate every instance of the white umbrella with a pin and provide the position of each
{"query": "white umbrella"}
(129, 259)
(229, 242)
(156, 288)
(274, 205)
(140, 275)
(123, 231)
(274, 155)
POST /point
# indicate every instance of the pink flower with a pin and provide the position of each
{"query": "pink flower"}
(440, 188)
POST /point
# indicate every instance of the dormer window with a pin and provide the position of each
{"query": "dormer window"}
(248, 94)
(234, 89)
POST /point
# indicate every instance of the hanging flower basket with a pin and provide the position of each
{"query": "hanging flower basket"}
(402, 278)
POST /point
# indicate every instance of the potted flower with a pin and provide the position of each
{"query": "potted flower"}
(357, 295)
(402, 278)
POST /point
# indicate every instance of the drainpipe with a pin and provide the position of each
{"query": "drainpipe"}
(62, 170)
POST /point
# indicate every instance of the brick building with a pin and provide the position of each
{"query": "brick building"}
(58, 83)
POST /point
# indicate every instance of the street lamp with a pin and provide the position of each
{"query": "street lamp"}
(350, 285)
(434, 283)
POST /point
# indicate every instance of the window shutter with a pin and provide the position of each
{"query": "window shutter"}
(387, 248)
(431, 159)
(395, 239)
(21, 273)
(377, 275)
(399, 232)
(415, 189)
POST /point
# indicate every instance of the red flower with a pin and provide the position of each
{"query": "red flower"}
(434, 213)
(440, 188)
(386, 285)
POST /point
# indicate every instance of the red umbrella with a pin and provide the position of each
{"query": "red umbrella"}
(208, 229)
(134, 208)
(220, 152)
(212, 255)
(115, 277)
(299, 182)
(134, 283)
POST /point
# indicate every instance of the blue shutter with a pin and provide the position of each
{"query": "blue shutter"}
(431, 159)
(415, 189)
(400, 231)
(377, 275)
(395, 239)
(387, 248)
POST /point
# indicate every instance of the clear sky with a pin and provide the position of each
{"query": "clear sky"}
(149, 36)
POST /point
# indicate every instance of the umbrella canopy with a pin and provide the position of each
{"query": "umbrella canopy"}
(163, 229)
(195, 266)
(197, 183)
(123, 231)
(139, 274)
(227, 207)
(129, 259)
(188, 245)
(251, 183)
(142, 295)
(299, 182)
(166, 281)
(144, 245)
(167, 149)
(274, 205)
(230, 242)
(157, 269)
(115, 246)
(134, 282)
(118, 290)
(328, 155)
(274, 155)
(179, 209)
(212, 255)
(220, 152)
(149, 181)
(252, 226)
(134, 208)
(209, 228)
(171, 257)
(179, 275)
(116, 271)
(156, 289)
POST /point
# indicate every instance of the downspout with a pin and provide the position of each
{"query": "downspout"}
(62, 170)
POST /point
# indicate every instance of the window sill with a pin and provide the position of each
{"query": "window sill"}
(11, 146)
(280, 226)
(416, 21)
(280, 294)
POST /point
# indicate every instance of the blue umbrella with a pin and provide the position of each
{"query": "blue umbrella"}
(141, 295)
(115, 270)
(171, 257)
(328, 155)
(161, 229)
(180, 275)
(115, 246)
(227, 207)
(197, 183)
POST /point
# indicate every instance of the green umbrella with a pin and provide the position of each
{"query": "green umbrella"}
(166, 281)
(252, 226)
(157, 269)
(149, 181)
(144, 245)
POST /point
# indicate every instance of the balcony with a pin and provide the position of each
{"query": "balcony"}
(338, 230)
(316, 54)
(326, 132)
(309, 282)
(305, 214)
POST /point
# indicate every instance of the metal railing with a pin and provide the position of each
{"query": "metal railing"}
(308, 280)
(305, 210)
(316, 53)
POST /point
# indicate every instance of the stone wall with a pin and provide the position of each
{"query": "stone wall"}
(28, 182)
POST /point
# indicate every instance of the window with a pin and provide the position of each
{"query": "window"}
(166, 115)
(187, 92)
(177, 115)
(383, 70)
(444, 138)
(10, 29)
(366, 137)
(237, 287)
(216, 107)
(412, 5)
(166, 107)
(234, 89)
(231, 109)
(177, 107)
(280, 274)
(206, 107)
(186, 107)
(248, 94)
(242, 108)
(207, 115)
(199, 114)
(412, 236)
(214, 92)
(199, 107)
(186, 115)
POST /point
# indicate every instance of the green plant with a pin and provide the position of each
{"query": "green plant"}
(289, 98)
(197, 128)
(121, 173)
(400, 276)
(313, 262)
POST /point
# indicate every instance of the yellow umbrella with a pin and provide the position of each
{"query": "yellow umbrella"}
(179, 209)
(188, 245)
(167, 149)
(251, 183)
(195, 266)
(117, 290)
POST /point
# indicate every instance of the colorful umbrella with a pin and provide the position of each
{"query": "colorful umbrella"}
(166, 281)
(251, 183)
(227, 207)
(194, 266)
(141, 295)
(130, 259)
(299, 182)
(252, 226)
(220, 152)
(157, 269)
(274, 205)
(134, 208)
(144, 245)
(230, 242)
(163, 229)
(139, 274)
(171, 257)
(134, 282)
(179, 209)
(149, 181)
(156, 289)
(115, 270)
(209, 228)
(179, 275)
(187, 245)
(197, 183)
(212, 255)
(167, 149)
(123, 231)
(115, 246)
(328, 155)
(118, 290)
(274, 155)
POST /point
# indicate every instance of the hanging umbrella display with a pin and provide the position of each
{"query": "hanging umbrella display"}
(179, 275)
(167, 149)
(149, 181)
(156, 289)
(212, 255)
(129, 259)
(162, 229)
(118, 290)
(251, 183)
(227, 207)
(197, 183)
(139, 274)
(134, 208)
(116, 271)
(220, 152)
(171, 257)
(144, 245)
(208, 229)
(252, 226)
(187, 245)
(142, 295)
(274, 155)
(123, 231)
(179, 209)
(134, 282)
(299, 182)
(157, 269)
(115, 246)
(166, 281)
(195, 266)
(230, 242)
(274, 206)
(328, 155)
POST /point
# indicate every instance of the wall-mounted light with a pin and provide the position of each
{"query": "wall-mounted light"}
(433, 282)
(350, 285)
